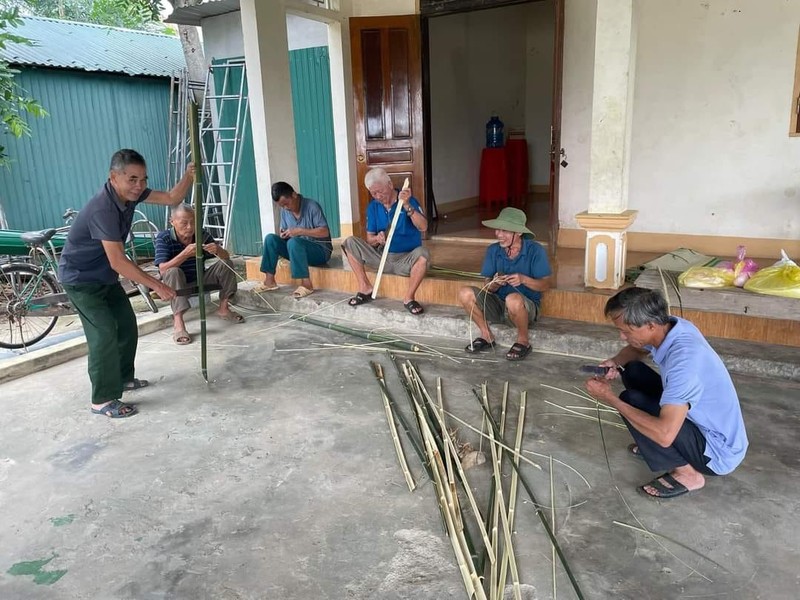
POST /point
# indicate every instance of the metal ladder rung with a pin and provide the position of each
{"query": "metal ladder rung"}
(218, 129)
(217, 164)
(223, 97)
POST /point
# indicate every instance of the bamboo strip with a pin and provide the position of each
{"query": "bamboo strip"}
(536, 506)
(197, 192)
(553, 522)
(512, 501)
(392, 229)
(401, 457)
(356, 332)
(508, 544)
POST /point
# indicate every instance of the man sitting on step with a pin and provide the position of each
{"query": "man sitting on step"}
(407, 256)
(686, 421)
(176, 261)
(304, 239)
(517, 272)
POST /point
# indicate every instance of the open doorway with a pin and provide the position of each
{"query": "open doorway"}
(499, 61)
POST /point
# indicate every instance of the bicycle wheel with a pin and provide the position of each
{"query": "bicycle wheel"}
(20, 286)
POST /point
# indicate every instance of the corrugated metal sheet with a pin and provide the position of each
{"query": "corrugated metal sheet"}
(313, 126)
(89, 47)
(65, 160)
(193, 15)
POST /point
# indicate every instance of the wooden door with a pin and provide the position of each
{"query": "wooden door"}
(555, 128)
(387, 94)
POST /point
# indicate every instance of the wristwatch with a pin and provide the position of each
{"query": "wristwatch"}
(410, 211)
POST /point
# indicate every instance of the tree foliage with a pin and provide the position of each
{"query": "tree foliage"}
(14, 101)
(130, 14)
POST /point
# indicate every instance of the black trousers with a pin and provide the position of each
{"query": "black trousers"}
(643, 390)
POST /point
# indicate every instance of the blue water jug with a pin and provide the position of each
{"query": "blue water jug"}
(494, 132)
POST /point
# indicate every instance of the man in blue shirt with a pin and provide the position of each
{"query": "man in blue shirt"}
(686, 421)
(517, 272)
(90, 266)
(407, 256)
(304, 239)
(176, 260)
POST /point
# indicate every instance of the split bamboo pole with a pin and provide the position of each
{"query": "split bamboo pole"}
(197, 192)
(392, 228)
(373, 337)
(401, 457)
(536, 506)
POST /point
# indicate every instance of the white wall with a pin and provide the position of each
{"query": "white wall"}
(370, 8)
(222, 36)
(477, 65)
(710, 150)
(305, 33)
(539, 89)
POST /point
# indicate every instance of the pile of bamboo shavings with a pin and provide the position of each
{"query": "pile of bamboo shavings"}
(438, 452)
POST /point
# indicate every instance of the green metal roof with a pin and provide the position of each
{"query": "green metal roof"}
(89, 47)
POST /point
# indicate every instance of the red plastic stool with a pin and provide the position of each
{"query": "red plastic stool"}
(494, 177)
(517, 151)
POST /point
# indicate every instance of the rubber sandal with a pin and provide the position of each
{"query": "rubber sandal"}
(414, 307)
(182, 337)
(231, 317)
(360, 299)
(664, 492)
(116, 410)
(479, 345)
(634, 450)
(517, 352)
(261, 288)
(301, 292)
(136, 384)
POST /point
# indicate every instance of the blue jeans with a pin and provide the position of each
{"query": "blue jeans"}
(643, 391)
(300, 252)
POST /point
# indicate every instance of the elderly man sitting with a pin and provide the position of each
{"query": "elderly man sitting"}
(407, 256)
(175, 259)
(517, 272)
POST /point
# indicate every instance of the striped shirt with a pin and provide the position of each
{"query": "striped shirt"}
(168, 246)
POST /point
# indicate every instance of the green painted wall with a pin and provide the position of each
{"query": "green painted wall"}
(313, 126)
(65, 160)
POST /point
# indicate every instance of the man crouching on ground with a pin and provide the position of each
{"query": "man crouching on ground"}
(687, 421)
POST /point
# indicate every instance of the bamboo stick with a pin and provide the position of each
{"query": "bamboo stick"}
(512, 496)
(536, 506)
(401, 457)
(508, 544)
(356, 332)
(392, 229)
(553, 522)
(197, 192)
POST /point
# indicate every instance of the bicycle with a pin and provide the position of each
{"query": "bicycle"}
(31, 296)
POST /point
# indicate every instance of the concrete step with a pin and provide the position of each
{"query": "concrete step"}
(574, 338)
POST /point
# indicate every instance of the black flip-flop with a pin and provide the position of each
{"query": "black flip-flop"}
(635, 451)
(414, 307)
(136, 384)
(360, 299)
(518, 352)
(479, 345)
(116, 410)
(664, 492)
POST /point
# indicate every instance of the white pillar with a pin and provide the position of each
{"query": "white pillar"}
(266, 51)
(607, 218)
(343, 124)
(612, 106)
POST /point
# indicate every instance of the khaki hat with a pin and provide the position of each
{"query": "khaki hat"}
(509, 219)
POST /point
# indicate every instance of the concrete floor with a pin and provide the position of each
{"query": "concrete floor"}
(279, 481)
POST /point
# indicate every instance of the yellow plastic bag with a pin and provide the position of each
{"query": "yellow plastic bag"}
(781, 279)
(706, 277)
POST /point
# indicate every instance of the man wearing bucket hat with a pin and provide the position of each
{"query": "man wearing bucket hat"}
(517, 272)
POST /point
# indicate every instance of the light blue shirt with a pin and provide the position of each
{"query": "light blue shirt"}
(311, 217)
(692, 373)
(531, 261)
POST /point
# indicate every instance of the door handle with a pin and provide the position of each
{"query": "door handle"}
(360, 158)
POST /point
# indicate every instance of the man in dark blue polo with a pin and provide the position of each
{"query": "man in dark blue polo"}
(517, 272)
(407, 256)
(91, 263)
(176, 261)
